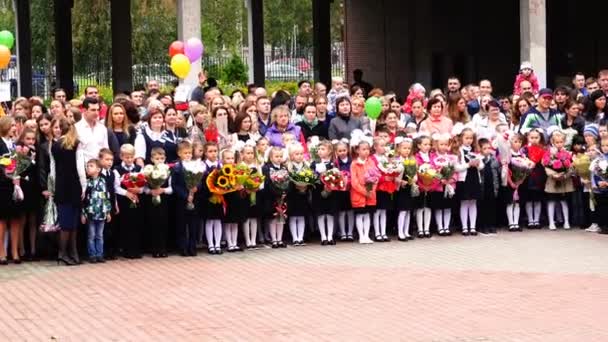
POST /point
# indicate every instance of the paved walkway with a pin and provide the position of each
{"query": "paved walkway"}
(530, 286)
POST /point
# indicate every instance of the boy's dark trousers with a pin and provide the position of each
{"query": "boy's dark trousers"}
(111, 238)
(487, 213)
(187, 224)
(601, 211)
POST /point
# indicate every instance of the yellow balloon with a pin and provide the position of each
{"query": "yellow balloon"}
(180, 64)
(5, 56)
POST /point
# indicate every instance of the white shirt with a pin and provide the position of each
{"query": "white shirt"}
(140, 141)
(9, 143)
(91, 139)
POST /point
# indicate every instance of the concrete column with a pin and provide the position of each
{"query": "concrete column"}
(421, 38)
(189, 26)
(533, 32)
(122, 58)
(255, 57)
(63, 46)
(24, 46)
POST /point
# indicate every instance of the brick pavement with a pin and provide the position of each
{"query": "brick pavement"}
(531, 286)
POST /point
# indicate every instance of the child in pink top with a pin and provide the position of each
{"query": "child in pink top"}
(526, 73)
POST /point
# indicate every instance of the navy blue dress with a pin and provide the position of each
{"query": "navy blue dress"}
(323, 204)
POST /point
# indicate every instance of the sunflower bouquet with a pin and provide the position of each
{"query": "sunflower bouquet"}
(221, 181)
(303, 178)
(156, 176)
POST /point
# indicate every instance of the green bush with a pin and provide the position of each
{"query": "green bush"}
(235, 71)
(105, 92)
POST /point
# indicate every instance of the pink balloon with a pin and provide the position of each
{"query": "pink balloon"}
(193, 49)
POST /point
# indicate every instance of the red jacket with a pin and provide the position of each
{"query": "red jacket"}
(358, 192)
(520, 78)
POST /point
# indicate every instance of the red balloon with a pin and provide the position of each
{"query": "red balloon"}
(175, 48)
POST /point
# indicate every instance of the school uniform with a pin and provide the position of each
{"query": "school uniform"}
(403, 199)
(424, 200)
(130, 220)
(208, 210)
(30, 186)
(298, 202)
(533, 189)
(490, 188)
(342, 198)
(384, 199)
(438, 200)
(468, 185)
(237, 207)
(323, 205)
(69, 183)
(111, 231)
(269, 196)
(157, 219)
(253, 210)
(187, 222)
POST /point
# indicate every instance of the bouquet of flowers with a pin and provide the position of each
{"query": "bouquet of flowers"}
(133, 180)
(280, 181)
(427, 175)
(221, 181)
(334, 180)
(49, 219)
(313, 146)
(446, 172)
(303, 178)
(410, 169)
(391, 169)
(559, 161)
(600, 168)
(372, 176)
(535, 153)
(156, 176)
(521, 167)
(252, 184)
(193, 175)
(14, 165)
(581, 164)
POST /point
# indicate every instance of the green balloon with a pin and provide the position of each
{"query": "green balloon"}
(7, 39)
(373, 107)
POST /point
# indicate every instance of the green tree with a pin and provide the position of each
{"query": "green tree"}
(154, 28)
(222, 25)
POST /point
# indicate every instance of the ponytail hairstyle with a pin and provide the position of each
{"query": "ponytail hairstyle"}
(69, 136)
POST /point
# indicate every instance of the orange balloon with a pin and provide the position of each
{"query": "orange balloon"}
(5, 57)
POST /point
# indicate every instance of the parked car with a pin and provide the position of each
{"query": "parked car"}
(284, 72)
(301, 64)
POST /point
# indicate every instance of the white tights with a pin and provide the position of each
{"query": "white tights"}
(551, 213)
(276, 230)
(403, 224)
(442, 218)
(513, 213)
(380, 222)
(363, 223)
(250, 230)
(468, 214)
(346, 228)
(296, 227)
(326, 230)
(232, 233)
(423, 220)
(213, 231)
(533, 210)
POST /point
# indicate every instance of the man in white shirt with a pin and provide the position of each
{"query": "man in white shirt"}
(92, 135)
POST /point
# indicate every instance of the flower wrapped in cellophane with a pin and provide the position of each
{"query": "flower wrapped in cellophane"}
(133, 180)
(251, 181)
(427, 176)
(581, 164)
(280, 183)
(446, 167)
(156, 176)
(14, 165)
(193, 176)
(410, 169)
(303, 178)
(221, 181)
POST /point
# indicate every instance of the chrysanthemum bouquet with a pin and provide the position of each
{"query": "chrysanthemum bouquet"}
(303, 178)
(156, 176)
(193, 175)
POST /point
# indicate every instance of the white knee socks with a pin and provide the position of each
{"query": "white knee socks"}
(423, 220)
(551, 214)
(403, 224)
(566, 214)
(232, 232)
(380, 223)
(533, 210)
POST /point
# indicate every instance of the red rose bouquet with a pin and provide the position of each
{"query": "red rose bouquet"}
(133, 180)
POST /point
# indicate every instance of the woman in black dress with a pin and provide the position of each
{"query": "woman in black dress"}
(8, 219)
(120, 130)
(172, 134)
(67, 162)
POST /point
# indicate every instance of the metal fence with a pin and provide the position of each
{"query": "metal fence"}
(281, 67)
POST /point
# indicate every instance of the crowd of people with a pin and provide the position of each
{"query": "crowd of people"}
(82, 172)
